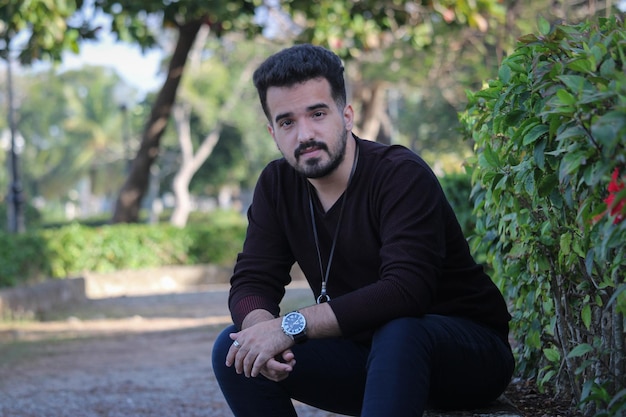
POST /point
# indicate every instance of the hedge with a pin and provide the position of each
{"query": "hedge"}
(549, 199)
(70, 250)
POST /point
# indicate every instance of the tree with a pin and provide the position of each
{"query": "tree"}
(186, 18)
(73, 124)
(345, 27)
(192, 161)
(49, 34)
(377, 37)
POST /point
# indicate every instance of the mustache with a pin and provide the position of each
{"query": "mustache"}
(308, 145)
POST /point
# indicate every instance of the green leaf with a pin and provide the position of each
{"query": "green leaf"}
(565, 243)
(489, 93)
(539, 154)
(606, 129)
(504, 74)
(608, 68)
(491, 157)
(580, 350)
(534, 134)
(566, 97)
(545, 378)
(571, 132)
(575, 83)
(544, 26)
(583, 65)
(552, 354)
(547, 184)
(586, 316)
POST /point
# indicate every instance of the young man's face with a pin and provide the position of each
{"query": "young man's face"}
(308, 128)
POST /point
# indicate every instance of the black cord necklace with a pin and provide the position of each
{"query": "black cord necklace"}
(324, 297)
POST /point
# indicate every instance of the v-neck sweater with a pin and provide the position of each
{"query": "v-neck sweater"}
(400, 249)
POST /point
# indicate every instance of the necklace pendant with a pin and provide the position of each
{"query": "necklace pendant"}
(323, 298)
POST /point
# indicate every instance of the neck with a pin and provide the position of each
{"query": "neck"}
(332, 186)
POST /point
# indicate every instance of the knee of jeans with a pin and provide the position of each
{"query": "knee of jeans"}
(220, 349)
(400, 327)
(405, 331)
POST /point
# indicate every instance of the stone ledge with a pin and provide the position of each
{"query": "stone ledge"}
(150, 281)
(28, 302)
(502, 407)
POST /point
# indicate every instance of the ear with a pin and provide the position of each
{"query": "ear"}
(348, 117)
(270, 129)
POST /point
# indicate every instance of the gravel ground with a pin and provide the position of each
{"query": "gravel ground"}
(126, 356)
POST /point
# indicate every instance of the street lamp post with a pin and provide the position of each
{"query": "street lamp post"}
(15, 199)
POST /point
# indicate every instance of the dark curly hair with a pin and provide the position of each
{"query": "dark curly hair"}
(299, 64)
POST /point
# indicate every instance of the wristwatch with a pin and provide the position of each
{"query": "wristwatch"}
(294, 326)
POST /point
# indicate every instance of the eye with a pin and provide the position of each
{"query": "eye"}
(285, 123)
(318, 114)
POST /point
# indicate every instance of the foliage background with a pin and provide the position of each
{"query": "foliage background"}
(548, 134)
(72, 249)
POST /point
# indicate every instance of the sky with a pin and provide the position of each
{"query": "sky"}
(140, 70)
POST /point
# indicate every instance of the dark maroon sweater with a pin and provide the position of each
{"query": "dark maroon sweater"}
(400, 251)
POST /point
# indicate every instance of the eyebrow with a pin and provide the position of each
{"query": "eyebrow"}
(308, 109)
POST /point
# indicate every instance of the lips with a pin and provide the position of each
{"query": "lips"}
(309, 148)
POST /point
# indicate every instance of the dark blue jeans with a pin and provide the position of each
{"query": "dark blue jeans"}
(412, 363)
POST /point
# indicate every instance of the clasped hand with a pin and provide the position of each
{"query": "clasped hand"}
(262, 349)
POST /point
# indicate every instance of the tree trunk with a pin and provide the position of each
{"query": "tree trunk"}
(373, 121)
(137, 182)
(190, 163)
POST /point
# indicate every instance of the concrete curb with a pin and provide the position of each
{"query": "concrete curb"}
(30, 301)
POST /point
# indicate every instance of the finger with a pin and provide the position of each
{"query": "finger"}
(275, 370)
(275, 366)
(240, 356)
(288, 356)
(232, 352)
(249, 362)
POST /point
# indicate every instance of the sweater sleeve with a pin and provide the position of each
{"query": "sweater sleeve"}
(262, 268)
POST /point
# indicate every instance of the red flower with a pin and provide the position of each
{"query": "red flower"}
(616, 208)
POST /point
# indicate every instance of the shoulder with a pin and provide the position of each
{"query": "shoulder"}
(381, 160)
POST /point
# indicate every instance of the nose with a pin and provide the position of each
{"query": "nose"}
(305, 131)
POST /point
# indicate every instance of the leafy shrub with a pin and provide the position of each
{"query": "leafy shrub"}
(550, 134)
(32, 216)
(22, 258)
(458, 188)
(72, 249)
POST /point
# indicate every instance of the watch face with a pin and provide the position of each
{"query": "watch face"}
(294, 323)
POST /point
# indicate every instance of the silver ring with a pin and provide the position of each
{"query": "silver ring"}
(236, 344)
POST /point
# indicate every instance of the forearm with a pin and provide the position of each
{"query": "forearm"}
(321, 321)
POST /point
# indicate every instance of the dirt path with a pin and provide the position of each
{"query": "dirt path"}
(126, 356)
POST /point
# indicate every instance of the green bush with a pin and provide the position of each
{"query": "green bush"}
(458, 188)
(73, 249)
(22, 258)
(32, 216)
(549, 134)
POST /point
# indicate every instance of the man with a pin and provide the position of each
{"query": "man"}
(404, 317)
